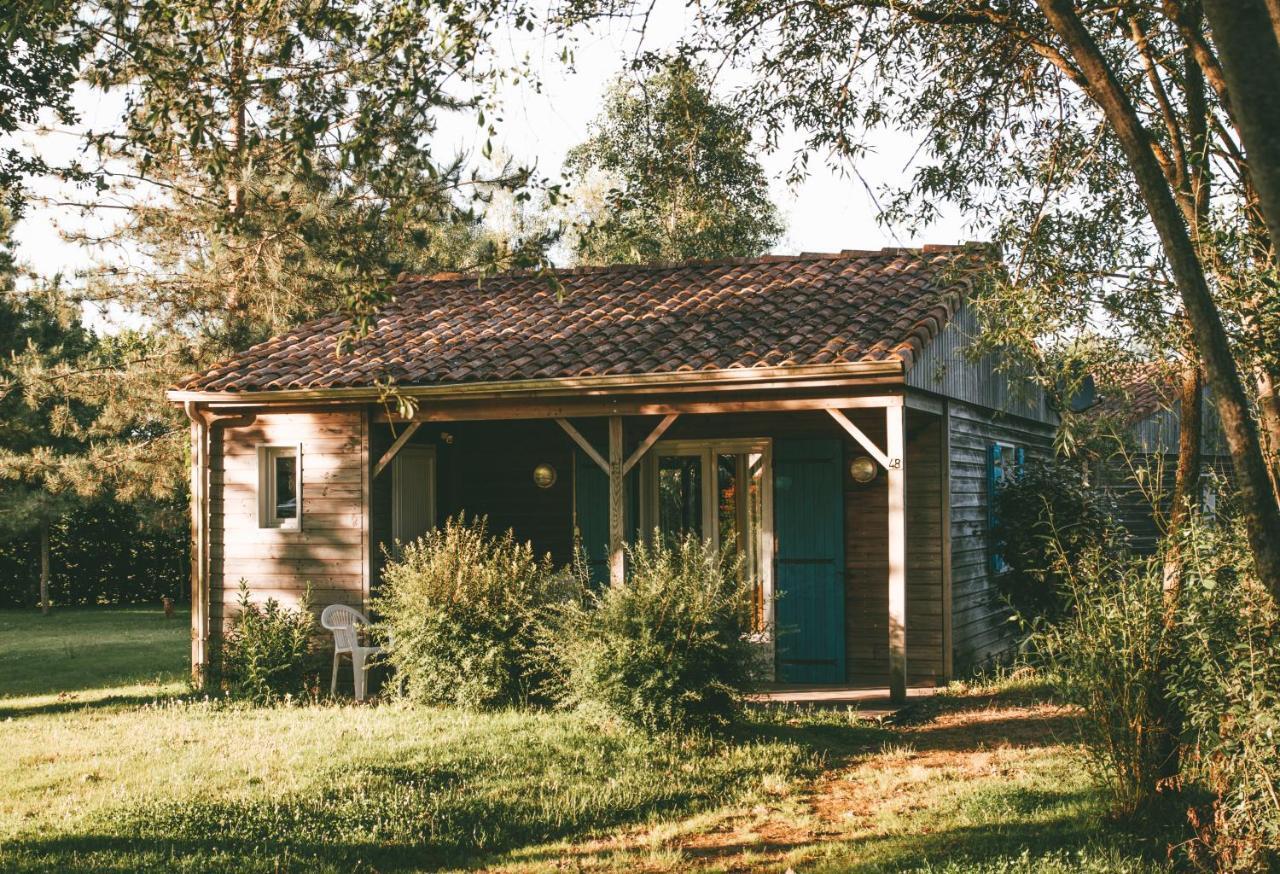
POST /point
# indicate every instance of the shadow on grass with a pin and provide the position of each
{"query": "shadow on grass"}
(1026, 731)
(412, 822)
(73, 704)
(829, 734)
(1036, 826)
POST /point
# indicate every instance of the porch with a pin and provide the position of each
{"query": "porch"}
(849, 571)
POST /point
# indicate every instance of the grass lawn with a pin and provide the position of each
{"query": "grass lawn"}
(111, 765)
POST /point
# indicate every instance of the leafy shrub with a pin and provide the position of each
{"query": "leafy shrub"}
(464, 609)
(1215, 657)
(1048, 518)
(266, 652)
(667, 651)
(1227, 684)
(1106, 656)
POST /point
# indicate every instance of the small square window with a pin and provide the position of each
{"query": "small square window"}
(279, 487)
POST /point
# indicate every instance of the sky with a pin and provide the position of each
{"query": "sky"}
(831, 210)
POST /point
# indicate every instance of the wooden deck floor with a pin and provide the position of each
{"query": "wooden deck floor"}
(872, 702)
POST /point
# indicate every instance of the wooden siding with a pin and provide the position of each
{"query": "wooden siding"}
(1158, 432)
(944, 369)
(328, 552)
(1143, 508)
(866, 556)
(981, 631)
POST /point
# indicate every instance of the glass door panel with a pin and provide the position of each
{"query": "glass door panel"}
(740, 518)
(680, 494)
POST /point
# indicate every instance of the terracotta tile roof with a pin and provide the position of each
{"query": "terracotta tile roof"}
(775, 311)
(1132, 393)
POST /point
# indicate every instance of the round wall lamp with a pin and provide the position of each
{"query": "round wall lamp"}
(544, 476)
(863, 469)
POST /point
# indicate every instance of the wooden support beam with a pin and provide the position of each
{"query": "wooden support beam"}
(390, 454)
(583, 443)
(948, 654)
(646, 443)
(886, 461)
(199, 542)
(616, 503)
(895, 427)
(564, 408)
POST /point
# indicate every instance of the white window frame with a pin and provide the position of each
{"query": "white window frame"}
(267, 454)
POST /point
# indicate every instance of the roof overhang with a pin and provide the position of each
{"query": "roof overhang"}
(748, 379)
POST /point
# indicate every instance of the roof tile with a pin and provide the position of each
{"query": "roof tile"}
(776, 310)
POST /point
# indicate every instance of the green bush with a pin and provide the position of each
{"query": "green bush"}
(1226, 680)
(1105, 654)
(1048, 518)
(266, 653)
(463, 610)
(1128, 656)
(667, 651)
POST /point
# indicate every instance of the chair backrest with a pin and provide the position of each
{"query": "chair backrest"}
(345, 623)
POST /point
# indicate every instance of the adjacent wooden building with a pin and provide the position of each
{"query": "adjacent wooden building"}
(816, 413)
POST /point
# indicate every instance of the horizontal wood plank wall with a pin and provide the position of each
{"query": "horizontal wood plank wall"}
(981, 631)
(866, 556)
(1133, 506)
(328, 552)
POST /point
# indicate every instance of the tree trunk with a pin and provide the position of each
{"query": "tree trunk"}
(1247, 35)
(1249, 53)
(1258, 504)
(44, 566)
(1186, 489)
(1269, 416)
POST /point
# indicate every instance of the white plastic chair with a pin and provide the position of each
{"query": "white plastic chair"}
(345, 623)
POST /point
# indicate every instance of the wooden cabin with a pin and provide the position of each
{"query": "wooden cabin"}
(1140, 411)
(816, 412)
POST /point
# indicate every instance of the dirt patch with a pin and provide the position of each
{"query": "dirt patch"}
(965, 739)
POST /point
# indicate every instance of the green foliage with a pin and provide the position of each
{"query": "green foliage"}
(463, 609)
(1107, 654)
(668, 651)
(42, 52)
(1213, 652)
(680, 170)
(1048, 518)
(266, 651)
(1226, 679)
(104, 552)
(293, 144)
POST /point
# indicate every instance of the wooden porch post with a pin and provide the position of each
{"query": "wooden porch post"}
(895, 423)
(616, 502)
(199, 541)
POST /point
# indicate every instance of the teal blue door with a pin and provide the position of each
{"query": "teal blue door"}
(809, 560)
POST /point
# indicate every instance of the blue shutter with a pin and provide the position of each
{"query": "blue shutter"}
(591, 514)
(1020, 459)
(808, 505)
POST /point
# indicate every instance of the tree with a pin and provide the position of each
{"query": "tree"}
(279, 154)
(35, 326)
(275, 161)
(1082, 137)
(41, 57)
(683, 180)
